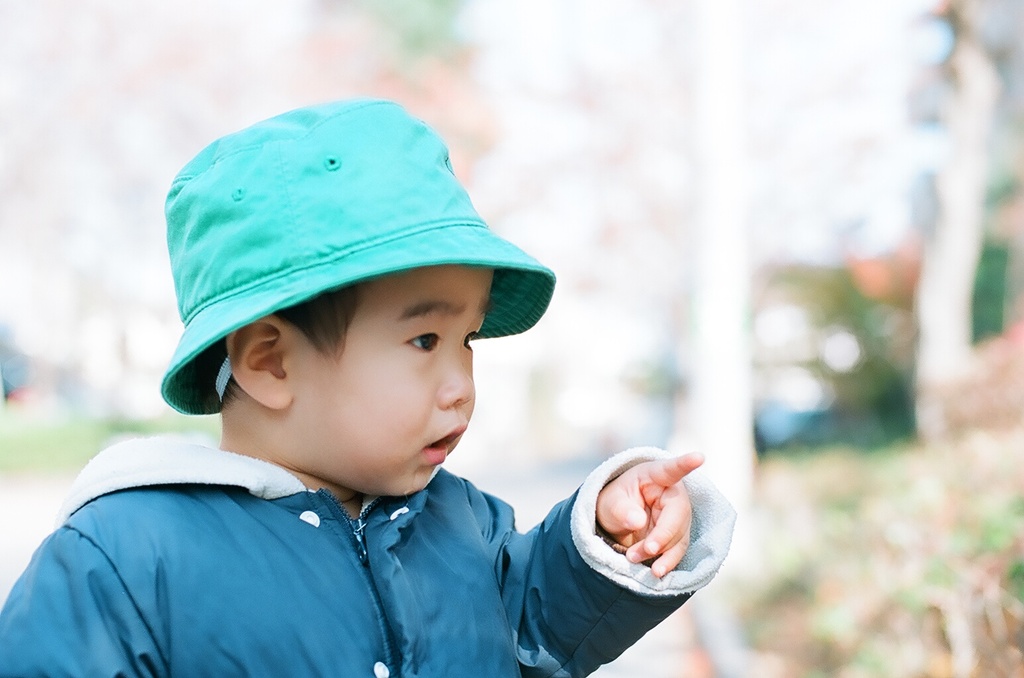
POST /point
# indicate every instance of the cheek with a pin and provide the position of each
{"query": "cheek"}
(379, 390)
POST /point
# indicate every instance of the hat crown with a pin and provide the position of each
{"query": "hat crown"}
(303, 187)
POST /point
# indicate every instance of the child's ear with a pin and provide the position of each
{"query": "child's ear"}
(258, 357)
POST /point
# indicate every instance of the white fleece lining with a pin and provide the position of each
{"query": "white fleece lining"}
(168, 461)
(710, 534)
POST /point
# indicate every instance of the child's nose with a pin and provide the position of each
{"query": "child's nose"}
(457, 389)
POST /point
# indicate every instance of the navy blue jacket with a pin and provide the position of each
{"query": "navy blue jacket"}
(213, 580)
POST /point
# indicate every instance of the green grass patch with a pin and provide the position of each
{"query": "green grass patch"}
(60, 445)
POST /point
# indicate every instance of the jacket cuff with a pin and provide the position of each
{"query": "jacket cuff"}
(710, 533)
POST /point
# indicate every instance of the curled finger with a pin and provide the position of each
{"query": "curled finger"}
(670, 559)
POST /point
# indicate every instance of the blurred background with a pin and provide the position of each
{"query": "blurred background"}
(788, 233)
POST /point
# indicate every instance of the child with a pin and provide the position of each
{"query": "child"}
(332, 275)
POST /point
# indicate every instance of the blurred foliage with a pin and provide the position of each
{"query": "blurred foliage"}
(873, 400)
(991, 396)
(990, 290)
(55, 446)
(419, 27)
(903, 563)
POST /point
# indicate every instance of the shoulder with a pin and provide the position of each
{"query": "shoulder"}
(456, 495)
(137, 504)
(182, 536)
(132, 517)
(449, 487)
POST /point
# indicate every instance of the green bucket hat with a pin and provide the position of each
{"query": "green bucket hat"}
(312, 200)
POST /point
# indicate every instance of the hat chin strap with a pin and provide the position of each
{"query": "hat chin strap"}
(223, 377)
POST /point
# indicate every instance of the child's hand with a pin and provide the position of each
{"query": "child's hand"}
(647, 510)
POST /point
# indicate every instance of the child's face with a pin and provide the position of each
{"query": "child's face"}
(380, 417)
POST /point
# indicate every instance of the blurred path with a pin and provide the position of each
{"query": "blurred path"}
(28, 507)
(28, 504)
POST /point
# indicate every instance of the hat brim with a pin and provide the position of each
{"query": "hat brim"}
(520, 293)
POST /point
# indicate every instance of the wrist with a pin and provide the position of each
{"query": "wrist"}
(609, 539)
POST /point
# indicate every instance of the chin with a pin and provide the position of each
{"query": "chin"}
(418, 483)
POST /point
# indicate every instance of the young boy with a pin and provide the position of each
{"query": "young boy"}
(332, 275)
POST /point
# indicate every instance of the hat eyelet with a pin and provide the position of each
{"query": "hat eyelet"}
(238, 194)
(332, 163)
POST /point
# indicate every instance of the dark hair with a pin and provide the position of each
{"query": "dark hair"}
(323, 320)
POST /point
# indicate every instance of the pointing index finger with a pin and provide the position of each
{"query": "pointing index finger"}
(671, 471)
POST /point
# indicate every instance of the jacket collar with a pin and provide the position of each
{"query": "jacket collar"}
(173, 461)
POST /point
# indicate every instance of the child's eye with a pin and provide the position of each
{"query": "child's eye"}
(425, 342)
(470, 337)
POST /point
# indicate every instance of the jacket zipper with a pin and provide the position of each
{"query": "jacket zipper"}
(358, 526)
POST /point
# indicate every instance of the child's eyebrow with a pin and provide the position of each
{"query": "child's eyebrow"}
(439, 307)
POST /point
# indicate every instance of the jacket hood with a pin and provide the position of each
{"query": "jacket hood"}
(172, 461)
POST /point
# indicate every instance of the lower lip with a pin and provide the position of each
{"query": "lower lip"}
(435, 456)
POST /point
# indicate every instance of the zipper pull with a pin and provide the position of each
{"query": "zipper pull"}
(358, 525)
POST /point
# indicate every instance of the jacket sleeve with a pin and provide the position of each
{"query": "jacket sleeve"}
(70, 614)
(713, 520)
(573, 603)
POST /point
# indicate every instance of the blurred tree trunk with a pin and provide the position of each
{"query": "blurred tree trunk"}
(951, 251)
(718, 408)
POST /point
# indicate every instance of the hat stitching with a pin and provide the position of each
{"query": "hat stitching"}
(327, 260)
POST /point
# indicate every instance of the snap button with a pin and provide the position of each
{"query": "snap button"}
(310, 517)
(238, 194)
(331, 163)
(404, 509)
(380, 670)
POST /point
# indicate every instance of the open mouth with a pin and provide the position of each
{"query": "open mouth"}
(449, 440)
(438, 450)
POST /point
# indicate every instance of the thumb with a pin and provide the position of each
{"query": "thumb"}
(620, 513)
